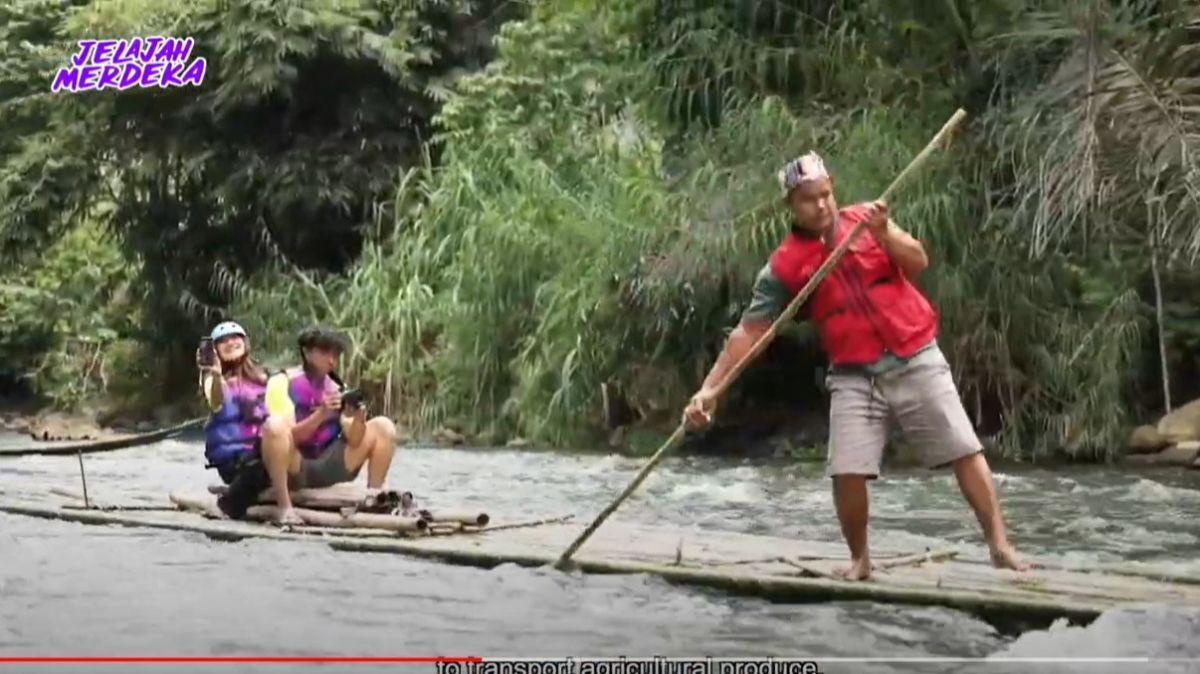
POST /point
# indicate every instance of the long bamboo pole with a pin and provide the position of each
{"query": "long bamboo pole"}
(763, 341)
(83, 478)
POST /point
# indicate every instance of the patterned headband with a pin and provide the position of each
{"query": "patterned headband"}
(806, 167)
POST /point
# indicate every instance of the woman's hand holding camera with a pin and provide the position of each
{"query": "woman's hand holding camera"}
(213, 368)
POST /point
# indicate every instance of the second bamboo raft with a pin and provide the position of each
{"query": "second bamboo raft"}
(70, 447)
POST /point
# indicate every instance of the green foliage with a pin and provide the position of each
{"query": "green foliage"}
(560, 246)
(68, 318)
(535, 185)
(289, 150)
(591, 207)
(1106, 152)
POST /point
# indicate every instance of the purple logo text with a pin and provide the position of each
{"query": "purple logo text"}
(120, 64)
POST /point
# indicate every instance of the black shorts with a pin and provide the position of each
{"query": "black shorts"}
(230, 468)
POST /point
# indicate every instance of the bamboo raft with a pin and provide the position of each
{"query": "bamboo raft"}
(350, 518)
(107, 445)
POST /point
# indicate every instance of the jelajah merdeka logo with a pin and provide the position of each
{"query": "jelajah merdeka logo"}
(142, 62)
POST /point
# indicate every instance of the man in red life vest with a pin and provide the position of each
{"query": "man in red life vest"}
(879, 333)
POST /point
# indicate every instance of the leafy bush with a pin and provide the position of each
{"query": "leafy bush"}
(69, 319)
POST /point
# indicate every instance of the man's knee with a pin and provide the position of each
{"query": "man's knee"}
(383, 428)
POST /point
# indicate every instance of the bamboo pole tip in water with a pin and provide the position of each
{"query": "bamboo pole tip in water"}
(565, 565)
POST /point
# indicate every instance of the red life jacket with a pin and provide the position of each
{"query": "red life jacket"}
(865, 304)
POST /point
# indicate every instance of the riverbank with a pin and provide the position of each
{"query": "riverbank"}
(757, 435)
(1166, 444)
(97, 420)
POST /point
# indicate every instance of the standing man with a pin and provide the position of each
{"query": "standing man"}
(879, 333)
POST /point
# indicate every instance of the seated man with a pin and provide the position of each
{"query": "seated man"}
(309, 439)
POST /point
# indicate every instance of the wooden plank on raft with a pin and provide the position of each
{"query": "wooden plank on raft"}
(346, 494)
(350, 495)
(268, 513)
(738, 563)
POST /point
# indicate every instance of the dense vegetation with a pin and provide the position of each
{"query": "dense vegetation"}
(509, 206)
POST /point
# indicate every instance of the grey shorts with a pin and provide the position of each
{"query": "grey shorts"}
(326, 470)
(920, 396)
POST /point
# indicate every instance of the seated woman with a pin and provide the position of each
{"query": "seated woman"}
(235, 389)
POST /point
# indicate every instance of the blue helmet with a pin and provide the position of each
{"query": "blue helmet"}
(226, 329)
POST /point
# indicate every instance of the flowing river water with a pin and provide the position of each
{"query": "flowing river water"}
(86, 590)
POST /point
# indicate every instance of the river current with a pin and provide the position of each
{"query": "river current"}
(85, 590)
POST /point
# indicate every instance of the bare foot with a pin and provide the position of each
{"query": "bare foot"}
(1005, 557)
(288, 517)
(859, 569)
